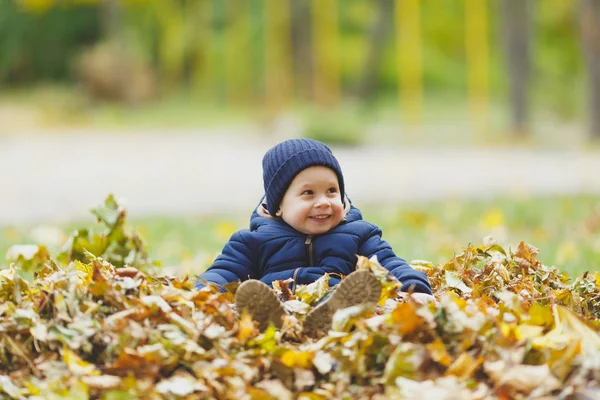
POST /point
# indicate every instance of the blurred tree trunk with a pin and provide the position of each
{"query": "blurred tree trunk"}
(301, 47)
(111, 21)
(517, 43)
(114, 33)
(590, 37)
(380, 31)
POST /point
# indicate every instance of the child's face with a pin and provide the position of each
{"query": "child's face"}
(312, 203)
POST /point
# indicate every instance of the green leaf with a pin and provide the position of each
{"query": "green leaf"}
(453, 281)
(267, 340)
(29, 257)
(404, 361)
(116, 394)
(109, 213)
(496, 247)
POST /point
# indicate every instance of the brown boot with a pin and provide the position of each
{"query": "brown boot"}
(360, 287)
(260, 302)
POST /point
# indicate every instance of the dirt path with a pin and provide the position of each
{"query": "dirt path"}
(55, 178)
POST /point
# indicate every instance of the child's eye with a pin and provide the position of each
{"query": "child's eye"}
(332, 190)
(307, 192)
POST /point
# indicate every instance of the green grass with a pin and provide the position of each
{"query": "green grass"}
(565, 229)
(62, 107)
(445, 119)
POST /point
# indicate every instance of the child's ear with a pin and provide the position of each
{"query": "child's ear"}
(279, 213)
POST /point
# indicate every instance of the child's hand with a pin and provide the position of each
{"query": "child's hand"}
(420, 298)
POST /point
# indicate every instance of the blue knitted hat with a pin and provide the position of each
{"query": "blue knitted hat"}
(287, 159)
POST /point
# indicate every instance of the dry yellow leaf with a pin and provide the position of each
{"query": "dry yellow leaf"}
(301, 359)
(464, 366)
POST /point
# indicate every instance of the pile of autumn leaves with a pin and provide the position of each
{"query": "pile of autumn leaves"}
(104, 324)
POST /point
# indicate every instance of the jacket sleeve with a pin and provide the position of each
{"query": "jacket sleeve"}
(411, 278)
(236, 262)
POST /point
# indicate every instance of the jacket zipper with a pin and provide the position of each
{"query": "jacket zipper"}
(309, 256)
(309, 251)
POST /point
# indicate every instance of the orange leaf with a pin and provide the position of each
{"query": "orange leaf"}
(406, 318)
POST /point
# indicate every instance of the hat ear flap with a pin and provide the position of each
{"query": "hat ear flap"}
(346, 210)
(264, 209)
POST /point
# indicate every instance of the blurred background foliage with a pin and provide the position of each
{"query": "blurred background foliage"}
(456, 72)
(266, 57)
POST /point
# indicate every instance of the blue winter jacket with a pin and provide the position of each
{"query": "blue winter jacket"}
(272, 250)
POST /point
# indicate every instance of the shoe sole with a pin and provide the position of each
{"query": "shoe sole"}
(260, 302)
(360, 287)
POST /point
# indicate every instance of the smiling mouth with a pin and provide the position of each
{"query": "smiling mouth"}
(320, 217)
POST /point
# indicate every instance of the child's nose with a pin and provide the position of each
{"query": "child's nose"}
(322, 200)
